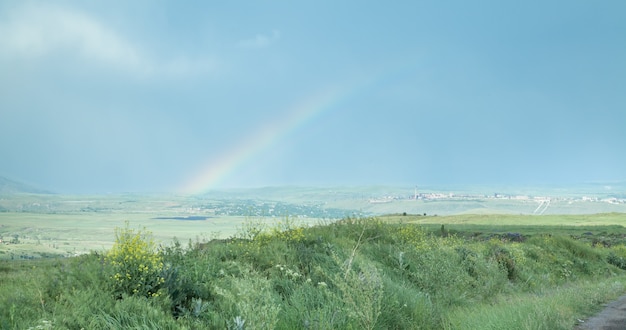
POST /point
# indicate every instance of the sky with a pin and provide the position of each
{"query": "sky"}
(171, 96)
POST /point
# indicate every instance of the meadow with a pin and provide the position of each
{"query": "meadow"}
(388, 272)
(62, 225)
(70, 234)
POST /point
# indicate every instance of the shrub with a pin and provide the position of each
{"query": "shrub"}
(249, 300)
(617, 256)
(135, 267)
(616, 261)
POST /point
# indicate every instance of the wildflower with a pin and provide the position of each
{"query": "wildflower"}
(135, 266)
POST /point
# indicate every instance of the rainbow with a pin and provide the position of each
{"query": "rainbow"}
(217, 170)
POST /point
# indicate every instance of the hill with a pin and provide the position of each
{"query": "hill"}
(348, 274)
(8, 186)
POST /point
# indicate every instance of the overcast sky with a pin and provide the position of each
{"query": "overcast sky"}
(118, 96)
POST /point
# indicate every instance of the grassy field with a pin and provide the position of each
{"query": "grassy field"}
(482, 206)
(603, 219)
(65, 234)
(143, 263)
(395, 272)
(41, 234)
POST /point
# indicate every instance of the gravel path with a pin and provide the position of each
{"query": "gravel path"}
(613, 317)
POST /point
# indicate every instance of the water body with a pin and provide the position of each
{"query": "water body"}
(188, 218)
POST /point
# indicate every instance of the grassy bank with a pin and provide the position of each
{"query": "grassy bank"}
(355, 273)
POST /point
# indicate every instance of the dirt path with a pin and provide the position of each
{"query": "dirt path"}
(613, 317)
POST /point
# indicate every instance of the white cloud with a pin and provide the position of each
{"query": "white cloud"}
(260, 41)
(38, 31)
(35, 32)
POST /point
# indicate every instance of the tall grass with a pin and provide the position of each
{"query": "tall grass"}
(555, 308)
(355, 273)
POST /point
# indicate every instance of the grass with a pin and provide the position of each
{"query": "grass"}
(606, 228)
(571, 220)
(369, 273)
(73, 233)
(556, 308)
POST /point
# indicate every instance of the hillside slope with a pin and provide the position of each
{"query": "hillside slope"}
(8, 186)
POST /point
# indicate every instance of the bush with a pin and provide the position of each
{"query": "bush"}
(617, 256)
(135, 267)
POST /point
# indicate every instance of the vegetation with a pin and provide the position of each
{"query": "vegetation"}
(354, 273)
(134, 267)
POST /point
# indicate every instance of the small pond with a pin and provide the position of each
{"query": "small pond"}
(187, 218)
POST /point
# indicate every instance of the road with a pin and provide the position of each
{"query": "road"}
(613, 317)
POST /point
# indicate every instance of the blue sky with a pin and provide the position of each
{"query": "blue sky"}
(116, 96)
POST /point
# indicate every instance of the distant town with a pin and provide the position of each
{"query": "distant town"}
(452, 196)
(524, 203)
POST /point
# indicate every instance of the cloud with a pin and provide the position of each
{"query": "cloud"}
(260, 41)
(37, 32)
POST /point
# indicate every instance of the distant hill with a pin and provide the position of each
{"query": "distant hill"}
(8, 186)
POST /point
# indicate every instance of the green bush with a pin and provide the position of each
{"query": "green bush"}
(617, 256)
(134, 265)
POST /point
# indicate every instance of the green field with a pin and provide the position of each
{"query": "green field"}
(570, 224)
(40, 234)
(391, 272)
(72, 233)
(65, 225)
(154, 262)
